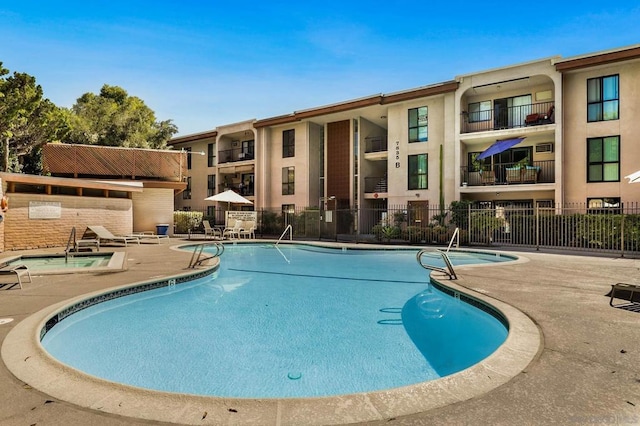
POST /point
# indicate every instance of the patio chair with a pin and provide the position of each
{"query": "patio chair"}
(234, 231)
(540, 118)
(104, 235)
(248, 229)
(210, 230)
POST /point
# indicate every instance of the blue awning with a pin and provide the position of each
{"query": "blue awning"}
(498, 147)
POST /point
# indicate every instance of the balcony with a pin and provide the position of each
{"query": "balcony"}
(508, 117)
(234, 155)
(244, 190)
(509, 174)
(375, 144)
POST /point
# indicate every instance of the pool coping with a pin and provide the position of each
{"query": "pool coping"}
(117, 263)
(30, 363)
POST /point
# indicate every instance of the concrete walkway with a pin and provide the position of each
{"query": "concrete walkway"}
(587, 372)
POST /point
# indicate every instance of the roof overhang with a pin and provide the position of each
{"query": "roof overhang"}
(194, 137)
(433, 90)
(603, 58)
(69, 182)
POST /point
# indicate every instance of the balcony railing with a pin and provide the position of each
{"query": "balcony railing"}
(233, 155)
(374, 185)
(375, 144)
(244, 190)
(509, 174)
(508, 117)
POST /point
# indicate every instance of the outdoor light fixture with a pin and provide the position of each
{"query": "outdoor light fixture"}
(183, 151)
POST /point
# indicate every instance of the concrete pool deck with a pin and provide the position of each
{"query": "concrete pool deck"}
(587, 370)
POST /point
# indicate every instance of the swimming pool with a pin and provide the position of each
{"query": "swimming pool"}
(26, 359)
(58, 263)
(281, 322)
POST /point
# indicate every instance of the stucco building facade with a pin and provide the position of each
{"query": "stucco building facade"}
(570, 123)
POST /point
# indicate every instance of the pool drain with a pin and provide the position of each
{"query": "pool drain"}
(294, 376)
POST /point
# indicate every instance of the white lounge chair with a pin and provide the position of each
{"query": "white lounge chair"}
(104, 235)
(210, 230)
(149, 235)
(17, 271)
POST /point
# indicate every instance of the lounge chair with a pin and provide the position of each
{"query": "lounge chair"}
(210, 230)
(628, 288)
(149, 235)
(15, 270)
(104, 235)
(248, 229)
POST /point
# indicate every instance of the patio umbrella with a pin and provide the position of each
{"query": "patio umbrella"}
(634, 177)
(229, 197)
(498, 147)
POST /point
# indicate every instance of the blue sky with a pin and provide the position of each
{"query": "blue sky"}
(209, 63)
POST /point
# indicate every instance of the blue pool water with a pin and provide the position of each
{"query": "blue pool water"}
(288, 321)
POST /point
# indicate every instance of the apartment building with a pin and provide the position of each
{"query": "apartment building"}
(542, 133)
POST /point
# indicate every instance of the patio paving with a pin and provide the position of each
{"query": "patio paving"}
(586, 372)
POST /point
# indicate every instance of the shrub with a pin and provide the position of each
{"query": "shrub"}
(384, 232)
(186, 221)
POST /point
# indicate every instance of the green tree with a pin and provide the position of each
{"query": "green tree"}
(113, 118)
(27, 121)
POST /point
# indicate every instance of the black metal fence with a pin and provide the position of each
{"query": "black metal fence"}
(575, 227)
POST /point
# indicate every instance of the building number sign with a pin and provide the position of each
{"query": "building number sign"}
(397, 154)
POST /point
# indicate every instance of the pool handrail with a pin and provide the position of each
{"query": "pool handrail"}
(72, 237)
(456, 236)
(197, 260)
(449, 271)
(288, 228)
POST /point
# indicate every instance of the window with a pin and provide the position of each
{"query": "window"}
(418, 124)
(247, 150)
(211, 212)
(289, 214)
(246, 184)
(211, 185)
(603, 98)
(604, 205)
(186, 195)
(603, 159)
(479, 111)
(288, 180)
(475, 165)
(211, 154)
(418, 171)
(188, 150)
(288, 143)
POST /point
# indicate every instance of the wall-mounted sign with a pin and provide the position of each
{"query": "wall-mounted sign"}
(240, 215)
(45, 210)
(397, 154)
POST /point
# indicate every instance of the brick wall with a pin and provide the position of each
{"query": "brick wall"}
(21, 232)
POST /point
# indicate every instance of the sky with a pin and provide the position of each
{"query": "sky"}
(203, 64)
